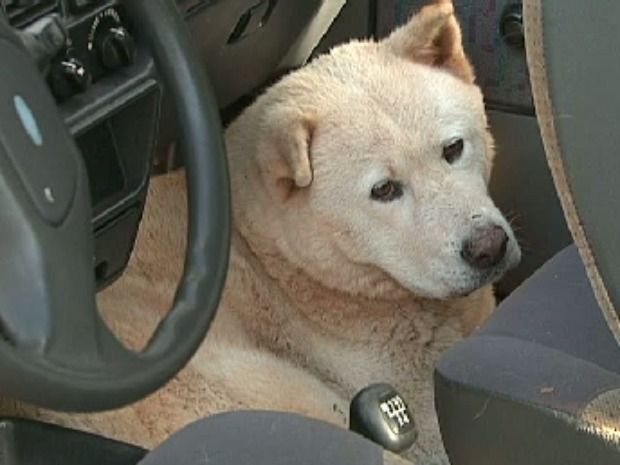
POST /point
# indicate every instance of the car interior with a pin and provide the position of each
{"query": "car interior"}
(99, 97)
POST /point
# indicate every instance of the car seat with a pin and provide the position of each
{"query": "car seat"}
(540, 382)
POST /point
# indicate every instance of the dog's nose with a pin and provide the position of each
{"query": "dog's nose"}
(486, 247)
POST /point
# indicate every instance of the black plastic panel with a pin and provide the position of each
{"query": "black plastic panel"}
(356, 20)
(118, 152)
(113, 245)
(24, 13)
(237, 67)
(83, 32)
(102, 162)
(501, 69)
(535, 211)
(115, 121)
(30, 443)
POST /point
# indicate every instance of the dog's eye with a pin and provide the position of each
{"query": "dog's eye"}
(386, 191)
(453, 151)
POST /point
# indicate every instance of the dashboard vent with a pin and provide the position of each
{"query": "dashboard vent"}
(22, 12)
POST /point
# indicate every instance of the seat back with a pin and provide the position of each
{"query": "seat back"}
(572, 49)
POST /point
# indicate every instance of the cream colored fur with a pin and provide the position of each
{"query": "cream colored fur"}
(328, 290)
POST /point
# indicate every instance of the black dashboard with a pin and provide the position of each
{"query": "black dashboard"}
(107, 89)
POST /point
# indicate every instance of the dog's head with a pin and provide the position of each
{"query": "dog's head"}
(375, 161)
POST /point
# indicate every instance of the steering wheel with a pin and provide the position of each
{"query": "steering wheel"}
(55, 350)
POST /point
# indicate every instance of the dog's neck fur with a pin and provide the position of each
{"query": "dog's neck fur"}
(406, 333)
(319, 304)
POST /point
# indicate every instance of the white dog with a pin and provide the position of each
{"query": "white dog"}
(365, 241)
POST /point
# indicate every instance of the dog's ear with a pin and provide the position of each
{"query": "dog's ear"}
(284, 157)
(433, 37)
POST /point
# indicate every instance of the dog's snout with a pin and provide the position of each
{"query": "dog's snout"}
(486, 247)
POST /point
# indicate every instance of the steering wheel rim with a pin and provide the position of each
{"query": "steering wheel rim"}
(54, 352)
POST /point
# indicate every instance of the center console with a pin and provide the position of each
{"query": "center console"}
(106, 89)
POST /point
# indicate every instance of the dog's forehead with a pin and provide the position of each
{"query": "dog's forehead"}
(413, 96)
(420, 95)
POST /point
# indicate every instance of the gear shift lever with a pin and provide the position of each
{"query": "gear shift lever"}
(379, 413)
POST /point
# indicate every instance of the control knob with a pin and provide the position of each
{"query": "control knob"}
(511, 26)
(116, 48)
(69, 76)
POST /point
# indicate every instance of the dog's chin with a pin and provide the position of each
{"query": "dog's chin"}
(463, 294)
(457, 285)
(459, 292)
(477, 282)
(465, 287)
(443, 293)
(445, 289)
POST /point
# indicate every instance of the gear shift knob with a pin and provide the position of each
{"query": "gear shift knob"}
(380, 413)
